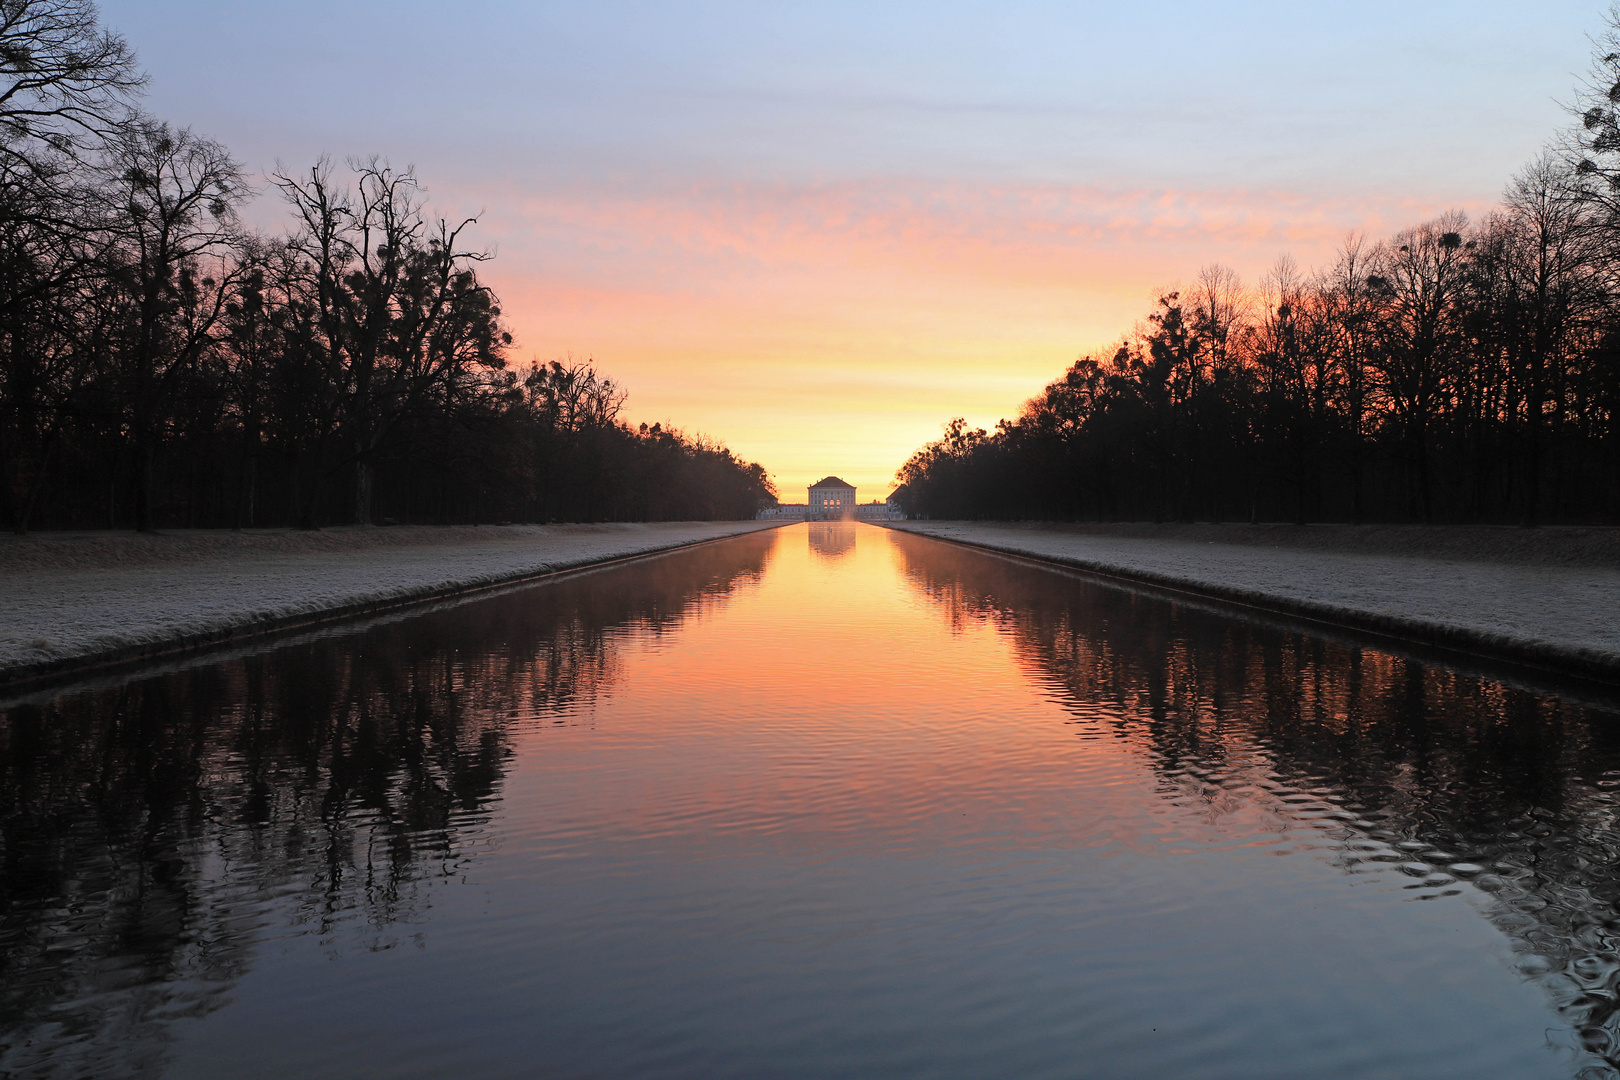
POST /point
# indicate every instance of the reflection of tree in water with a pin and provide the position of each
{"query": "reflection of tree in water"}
(831, 539)
(1443, 776)
(153, 832)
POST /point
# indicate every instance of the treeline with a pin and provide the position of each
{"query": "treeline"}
(162, 364)
(1456, 371)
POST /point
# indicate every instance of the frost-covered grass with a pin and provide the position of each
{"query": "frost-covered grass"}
(1556, 614)
(67, 601)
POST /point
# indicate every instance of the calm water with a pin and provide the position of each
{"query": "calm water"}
(822, 802)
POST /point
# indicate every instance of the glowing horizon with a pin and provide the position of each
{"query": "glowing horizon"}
(816, 235)
(834, 330)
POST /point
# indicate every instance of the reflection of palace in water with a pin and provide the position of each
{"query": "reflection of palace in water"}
(831, 539)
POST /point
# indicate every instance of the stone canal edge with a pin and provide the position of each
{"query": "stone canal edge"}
(1558, 620)
(101, 620)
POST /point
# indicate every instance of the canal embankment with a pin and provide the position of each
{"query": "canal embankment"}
(81, 601)
(1548, 598)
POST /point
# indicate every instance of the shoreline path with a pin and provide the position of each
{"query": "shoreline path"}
(1545, 598)
(72, 603)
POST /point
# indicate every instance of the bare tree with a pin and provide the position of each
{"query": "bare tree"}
(399, 313)
(1299, 381)
(1220, 318)
(174, 197)
(1221, 309)
(66, 87)
(573, 397)
(1423, 274)
(66, 84)
(1352, 300)
(1547, 246)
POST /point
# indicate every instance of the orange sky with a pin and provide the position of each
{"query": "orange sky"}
(833, 328)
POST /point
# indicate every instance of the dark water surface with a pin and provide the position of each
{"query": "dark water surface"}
(826, 801)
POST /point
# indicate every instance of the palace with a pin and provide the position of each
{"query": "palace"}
(831, 500)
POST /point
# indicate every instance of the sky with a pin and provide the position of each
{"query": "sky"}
(816, 232)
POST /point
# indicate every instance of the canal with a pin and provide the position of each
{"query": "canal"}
(822, 801)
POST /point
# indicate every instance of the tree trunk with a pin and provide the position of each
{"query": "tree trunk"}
(308, 507)
(143, 484)
(1418, 454)
(9, 517)
(247, 493)
(1356, 510)
(363, 479)
(1532, 454)
(47, 455)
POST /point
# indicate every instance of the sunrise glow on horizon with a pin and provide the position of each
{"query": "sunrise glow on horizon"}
(816, 235)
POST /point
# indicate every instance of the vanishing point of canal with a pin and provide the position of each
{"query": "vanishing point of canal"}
(822, 801)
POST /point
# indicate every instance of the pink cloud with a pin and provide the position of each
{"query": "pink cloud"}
(1034, 230)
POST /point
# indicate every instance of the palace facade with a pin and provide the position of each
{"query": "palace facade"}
(831, 500)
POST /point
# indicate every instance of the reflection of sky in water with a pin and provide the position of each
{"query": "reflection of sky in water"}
(802, 808)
